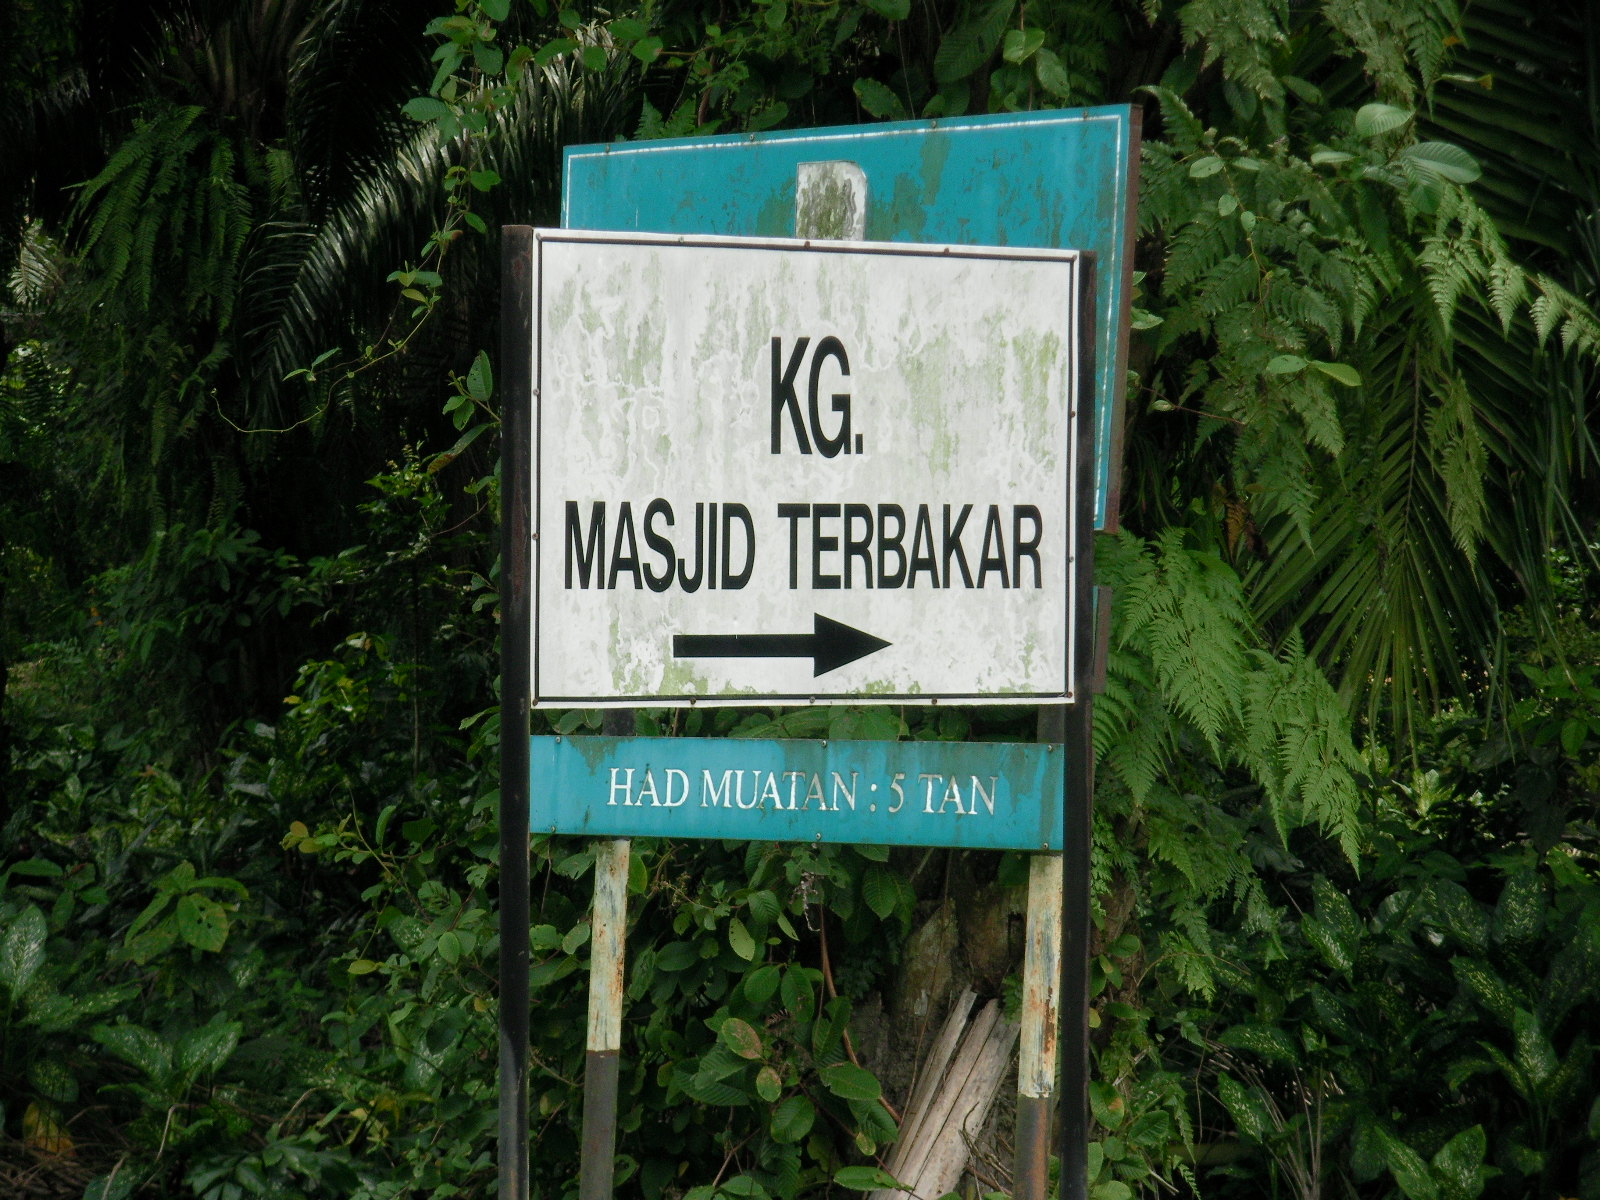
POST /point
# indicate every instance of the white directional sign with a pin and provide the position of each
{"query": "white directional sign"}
(789, 471)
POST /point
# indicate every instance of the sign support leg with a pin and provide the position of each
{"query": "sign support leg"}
(516, 376)
(1036, 1065)
(602, 1061)
(1077, 839)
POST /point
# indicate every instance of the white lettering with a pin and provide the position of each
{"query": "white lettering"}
(952, 792)
(683, 788)
(626, 787)
(769, 791)
(649, 789)
(987, 796)
(839, 789)
(814, 789)
(710, 794)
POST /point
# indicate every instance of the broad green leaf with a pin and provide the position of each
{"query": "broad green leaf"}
(628, 29)
(136, 1046)
(761, 983)
(363, 966)
(677, 956)
(714, 1091)
(1245, 1107)
(552, 50)
(38, 868)
(968, 46)
(879, 100)
(1407, 1167)
(1520, 911)
(480, 376)
(742, 1185)
(792, 1119)
(1458, 1165)
(1375, 119)
(1111, 1189)
(740, 940)
(1330, 158)
(1268, 1041)
(1492, 991)
(52, 1080)
(880, 890)
(893, 10)
(496, 10)
(1204, 168)
(426, 108)
(1333, 927)
(1051, 74)
(488, 58)
(1020, 44)
(1107, 1104)
(764, 905)
(1338, 372)
(450, 947)
(768, 1084)
(594, 58)
(647, 50)
(206, 1049)
(740, 1037)
(22, 949)
(866, 1179)
(577, 937)
(202, 922)
(1535, 1055)
(1286, 364)
(1444, 159)
(850, 1082)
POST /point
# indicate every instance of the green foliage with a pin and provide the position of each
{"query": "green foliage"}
(247, 935)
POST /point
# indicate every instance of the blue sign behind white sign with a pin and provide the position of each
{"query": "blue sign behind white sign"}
(1046, 179)
(979, 795)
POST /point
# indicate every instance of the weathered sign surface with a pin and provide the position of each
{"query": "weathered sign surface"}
(1061, 179)
(783, 471)
(978, 795)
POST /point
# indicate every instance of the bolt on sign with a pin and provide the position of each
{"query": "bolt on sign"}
(782, 471)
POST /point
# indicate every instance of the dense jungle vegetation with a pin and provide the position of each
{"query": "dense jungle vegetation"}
(1347, 893)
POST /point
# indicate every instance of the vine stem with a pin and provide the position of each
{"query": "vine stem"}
(833, 994)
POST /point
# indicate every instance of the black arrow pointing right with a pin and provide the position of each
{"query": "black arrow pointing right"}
(829, 645)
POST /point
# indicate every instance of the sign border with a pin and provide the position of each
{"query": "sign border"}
(1081, 483)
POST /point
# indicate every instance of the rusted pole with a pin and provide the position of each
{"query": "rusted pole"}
(602, 1061)
(516, 401)
(1036, 1055)
(1077, 835)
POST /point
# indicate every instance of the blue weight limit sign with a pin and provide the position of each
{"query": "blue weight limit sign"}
(977, 795)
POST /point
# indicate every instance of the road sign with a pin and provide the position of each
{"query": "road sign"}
(979, 795)
(790, 471)
(1063, 178)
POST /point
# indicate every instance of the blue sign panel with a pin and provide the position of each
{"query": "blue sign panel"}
(1052, 179)
(977, 795)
